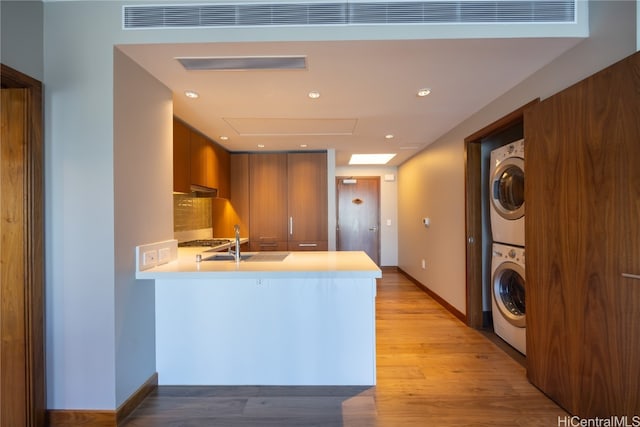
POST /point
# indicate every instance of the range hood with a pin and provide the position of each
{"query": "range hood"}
(202, 191)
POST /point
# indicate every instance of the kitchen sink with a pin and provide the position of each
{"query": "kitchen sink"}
(227, 257)
(268, 256)
(249, 257)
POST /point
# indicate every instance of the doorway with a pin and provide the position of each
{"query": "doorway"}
(358, 222)
(22, 359)
(477, 148)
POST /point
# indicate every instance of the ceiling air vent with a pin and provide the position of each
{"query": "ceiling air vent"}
(348, 13)
(244, 63)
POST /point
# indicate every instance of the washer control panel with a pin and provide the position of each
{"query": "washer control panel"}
(511, 253)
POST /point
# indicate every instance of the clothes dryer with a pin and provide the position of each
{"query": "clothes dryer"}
(507, 193)
(508, 295)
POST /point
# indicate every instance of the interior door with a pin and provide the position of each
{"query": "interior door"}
(583, 244)
(22, 371)
(358, 224)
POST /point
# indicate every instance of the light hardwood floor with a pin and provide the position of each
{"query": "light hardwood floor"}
(432, 371)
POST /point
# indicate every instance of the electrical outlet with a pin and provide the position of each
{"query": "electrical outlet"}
(151, 255)
(424, 264)
(164, 255)
(149, 258)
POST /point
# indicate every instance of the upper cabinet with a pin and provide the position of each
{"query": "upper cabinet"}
(181, 157)
(197, 160)
(202, 155)
(222, 167)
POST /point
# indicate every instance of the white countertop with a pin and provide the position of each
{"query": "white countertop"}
(296, 264)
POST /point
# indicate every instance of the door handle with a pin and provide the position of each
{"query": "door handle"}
(631, 276)
(374, 228)
(290, 226)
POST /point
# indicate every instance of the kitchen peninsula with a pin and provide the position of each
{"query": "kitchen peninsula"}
(294, 318)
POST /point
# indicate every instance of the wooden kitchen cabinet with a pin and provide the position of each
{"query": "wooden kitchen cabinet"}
(233, 210)
(197, 160)
(181, 157)
(583, 247)
(268, 201)
(288, 201)
(222, 168)
(307, 201)
(202, 161)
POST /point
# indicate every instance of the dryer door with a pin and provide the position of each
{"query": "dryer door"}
(507, 188)
(509, 291)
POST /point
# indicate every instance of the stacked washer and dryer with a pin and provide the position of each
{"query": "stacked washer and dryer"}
(507, 229)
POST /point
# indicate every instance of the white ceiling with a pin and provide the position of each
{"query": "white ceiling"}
(368, 89)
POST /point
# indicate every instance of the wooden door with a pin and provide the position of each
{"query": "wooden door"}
(268, 202)
(583, 234)
(307, 201)
(22, 393)
(359, 215)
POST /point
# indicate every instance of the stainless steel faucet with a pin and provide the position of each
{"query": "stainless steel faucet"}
(236, 252)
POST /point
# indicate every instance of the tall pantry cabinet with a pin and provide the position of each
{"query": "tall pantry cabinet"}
(583, 244)
(288, 201)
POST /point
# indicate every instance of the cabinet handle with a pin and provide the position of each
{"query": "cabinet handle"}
(269, 245)
(290, 226)
(631, 276)
(307, 245)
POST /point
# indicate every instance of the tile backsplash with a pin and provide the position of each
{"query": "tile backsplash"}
(191, 213)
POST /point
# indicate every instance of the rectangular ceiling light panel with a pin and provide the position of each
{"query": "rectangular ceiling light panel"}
(371, 159)
(238, 63)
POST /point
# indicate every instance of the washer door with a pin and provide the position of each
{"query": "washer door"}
(509, 292)
(507, 188)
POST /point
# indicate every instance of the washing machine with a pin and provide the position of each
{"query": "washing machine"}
(508, 295)
(507, 193)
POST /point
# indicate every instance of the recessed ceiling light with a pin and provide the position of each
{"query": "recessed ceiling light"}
(371, 159)
(389, 136)
(314, 94)
(224, 138)
(424, 92)
(191, 94)
(303, 145)
(260, 145)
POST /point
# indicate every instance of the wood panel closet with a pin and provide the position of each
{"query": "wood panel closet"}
(288, 201)
(583, 243)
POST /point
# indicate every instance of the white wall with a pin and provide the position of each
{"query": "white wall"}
(388, 207)
(143, 161)
(79, 207)
(21, 41)
(432, 182)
